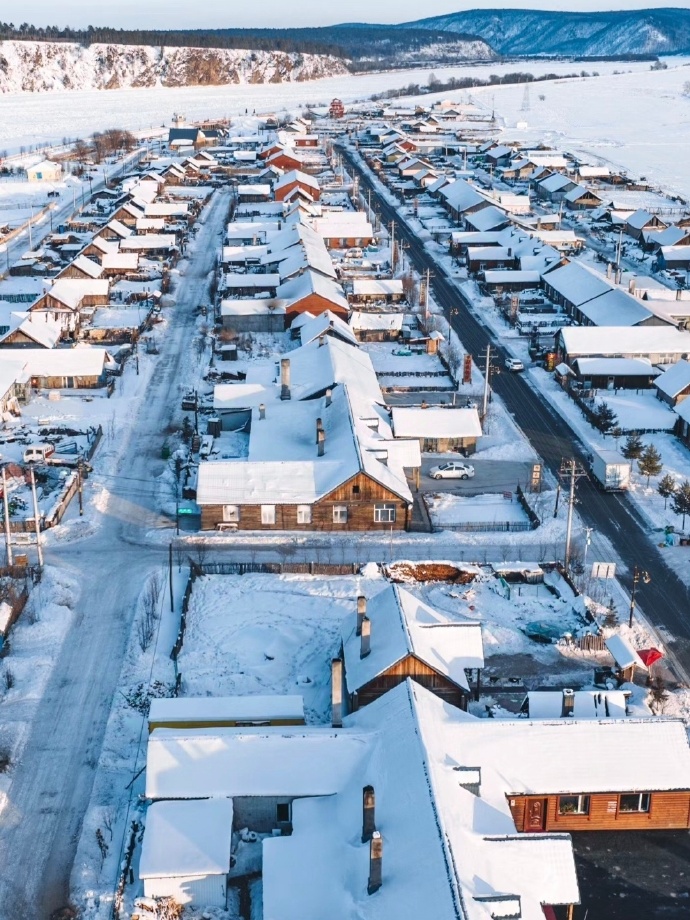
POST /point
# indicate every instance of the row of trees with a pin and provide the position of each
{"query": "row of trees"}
(434, 85)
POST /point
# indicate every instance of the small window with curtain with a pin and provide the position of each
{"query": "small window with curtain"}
(573, 805)
(268, 514)
(304, 514)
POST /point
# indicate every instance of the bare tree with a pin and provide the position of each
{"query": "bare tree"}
(146, 625)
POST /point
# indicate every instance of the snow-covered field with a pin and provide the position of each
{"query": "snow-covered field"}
(26, 118)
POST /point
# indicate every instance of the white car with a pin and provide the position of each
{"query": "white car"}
(514, 364)
(453, 469)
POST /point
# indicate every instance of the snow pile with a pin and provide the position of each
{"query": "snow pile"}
(49, 66)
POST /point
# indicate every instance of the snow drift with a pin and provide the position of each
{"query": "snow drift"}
(48, 66)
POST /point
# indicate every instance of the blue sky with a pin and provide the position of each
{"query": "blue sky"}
(221, 13)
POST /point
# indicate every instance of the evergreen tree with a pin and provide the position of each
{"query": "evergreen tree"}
(666, 488)
(680, 502)
(650, 463)
(605, 418)
(633, 447)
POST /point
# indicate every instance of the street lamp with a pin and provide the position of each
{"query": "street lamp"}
(638, 574)
(451, 313)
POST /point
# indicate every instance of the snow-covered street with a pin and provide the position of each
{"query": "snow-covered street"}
(52, 782)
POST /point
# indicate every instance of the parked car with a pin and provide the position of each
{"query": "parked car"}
(453, 469)
(514, 364)
(38, 453)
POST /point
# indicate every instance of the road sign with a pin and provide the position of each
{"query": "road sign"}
(467, 369)
(603, 570)
(535, 481)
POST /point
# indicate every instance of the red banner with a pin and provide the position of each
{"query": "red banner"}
(467, 369)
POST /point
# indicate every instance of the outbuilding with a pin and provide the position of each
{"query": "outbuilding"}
(438, 430)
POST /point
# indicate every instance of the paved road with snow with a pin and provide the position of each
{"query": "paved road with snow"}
(665, 600)
(52, 784)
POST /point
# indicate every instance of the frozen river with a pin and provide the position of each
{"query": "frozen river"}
(26, 118)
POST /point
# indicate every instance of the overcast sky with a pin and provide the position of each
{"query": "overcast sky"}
(176, 14)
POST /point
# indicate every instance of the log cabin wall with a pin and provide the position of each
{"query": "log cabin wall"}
(667, 811)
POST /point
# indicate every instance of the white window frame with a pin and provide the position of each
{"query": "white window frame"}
(231, 514)
(385, 513)
(639, 810)
(581, 808)
(304, 514)
(268, 514)
(340, 514)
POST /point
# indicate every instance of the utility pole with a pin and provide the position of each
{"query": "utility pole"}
(393, 247)
(170, 571)
(80, 481)
(6, 505)
(571, 470)
(37, 522)
(426, 299)
(487, 378)
(637, 575)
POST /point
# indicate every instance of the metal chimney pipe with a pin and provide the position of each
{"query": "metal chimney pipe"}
(375, 863)
(329, 397)
(321, 443)
(337, 693)
(368, 813)
(361, 613)
(285, 378)
(365, 647)
(262, 410)
(319, 427)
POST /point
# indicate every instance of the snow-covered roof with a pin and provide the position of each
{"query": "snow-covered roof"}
(508, 277)
(575, 283)
(402, 625)
(574, 194)
(391, 322)
(556, 182)
(43, 331)
(327, 323)
(622, 340)
(615, 308)
(120, 229)
(311, 282)
(166, 209)
(639, 219)
(261, 708)
(229, 762)
(152, 241)
(372, 287)
(631, 367)
(88, 267)
(254, 306)
(293, 176)
(125, 261)
(72, 291)
(187, 839)
(460, 195)
(624, 653)
(675, 379)
(82, 361)
(487, 219)
(434, 422)
(676, 254)
(586, 704)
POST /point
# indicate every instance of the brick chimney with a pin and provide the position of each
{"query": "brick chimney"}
(285, 378)
(361, 613)
(365, 647)
(368, 813)
(375, 863)
(337, 693)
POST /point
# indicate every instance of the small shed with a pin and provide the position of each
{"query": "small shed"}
(225, 711)
(185, 854)
(438, 430)
(673, 386)
(626, 658)
(45, 171)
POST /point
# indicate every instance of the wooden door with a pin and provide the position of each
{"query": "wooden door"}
(535, 817)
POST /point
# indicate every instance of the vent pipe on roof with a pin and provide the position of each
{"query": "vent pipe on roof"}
(631, 286)
(368, 813)
(329, 397)
(262, 411)
(337, 693)
(322, 339)
(320, 442)
(365, 646)
(361, 613)
(609, 270)
(285, 378)
(319, 427)
(375, 863)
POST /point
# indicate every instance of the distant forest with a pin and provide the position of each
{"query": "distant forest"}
(356, 42)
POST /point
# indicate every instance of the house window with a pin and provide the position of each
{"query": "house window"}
(304, 514)
(384, 514)
(268, 514)
(283, 815)
(231, 514)
(636, 802)
(340, 514)
(355, 490)
(573, 805)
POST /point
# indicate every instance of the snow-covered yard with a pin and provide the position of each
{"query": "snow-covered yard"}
(449, 510)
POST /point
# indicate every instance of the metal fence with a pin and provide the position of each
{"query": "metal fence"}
(488, 527)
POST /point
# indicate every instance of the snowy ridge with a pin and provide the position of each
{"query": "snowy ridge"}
(51, 66)
(538, 32)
